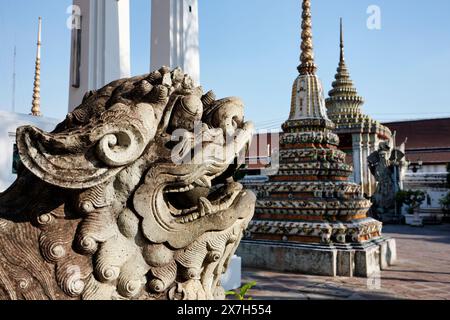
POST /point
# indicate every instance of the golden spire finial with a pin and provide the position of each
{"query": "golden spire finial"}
(36, 104)
(342, 58)
(343, 87)
(307, 65)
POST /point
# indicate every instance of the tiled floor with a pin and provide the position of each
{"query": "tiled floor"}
(422, 272)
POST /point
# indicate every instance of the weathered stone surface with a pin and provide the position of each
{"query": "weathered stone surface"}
(388, 253)
(288, 258)
(345, 263)
(131, 197)
(360, 260)
(420, 274)
(367, 261)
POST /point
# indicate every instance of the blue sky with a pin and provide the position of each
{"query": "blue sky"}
(250, 49)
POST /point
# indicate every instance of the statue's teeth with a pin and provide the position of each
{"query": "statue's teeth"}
(204, 182)
(180, 190)
(188, 211)
(204, 206)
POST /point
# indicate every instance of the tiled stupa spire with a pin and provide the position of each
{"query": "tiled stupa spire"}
(36, 103)
(308, 100)
(344, 104)
(360, 133)
(310, 199)
(343, 98)
(307, 65)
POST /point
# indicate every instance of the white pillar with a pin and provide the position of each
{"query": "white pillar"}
(100, 45)
(373, 145)
(357, 159)
(365, 174)
(175, 36)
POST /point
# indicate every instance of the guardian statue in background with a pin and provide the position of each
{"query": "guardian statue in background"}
(387, 166)
(131, 197)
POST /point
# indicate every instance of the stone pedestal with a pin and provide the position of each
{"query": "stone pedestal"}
(360, 260)
(431, 215)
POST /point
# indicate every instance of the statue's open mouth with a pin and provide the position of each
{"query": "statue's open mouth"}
(209, 188)
(201, 198)
(178, 202)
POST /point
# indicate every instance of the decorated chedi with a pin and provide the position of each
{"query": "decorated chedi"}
(359, 134)
(309, 218)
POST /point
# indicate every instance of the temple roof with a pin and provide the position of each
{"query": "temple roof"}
(428, 140)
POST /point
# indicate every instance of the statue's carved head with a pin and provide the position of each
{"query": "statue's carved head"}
(148, 165)
(384, 146)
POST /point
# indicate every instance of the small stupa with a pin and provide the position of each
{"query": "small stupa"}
(309, 218)
(359, 134)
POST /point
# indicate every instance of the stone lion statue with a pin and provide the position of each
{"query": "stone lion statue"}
(132, 196)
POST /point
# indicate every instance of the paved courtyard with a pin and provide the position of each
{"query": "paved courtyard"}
(422, 272)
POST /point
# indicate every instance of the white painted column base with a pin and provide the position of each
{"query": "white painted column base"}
(100, 46)
(233, 278)
(414, 220)
(175, 36)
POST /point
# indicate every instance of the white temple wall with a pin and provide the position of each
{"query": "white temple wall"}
(432, 168)
(433, 184)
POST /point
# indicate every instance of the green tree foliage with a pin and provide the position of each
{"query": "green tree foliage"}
(445, 203)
